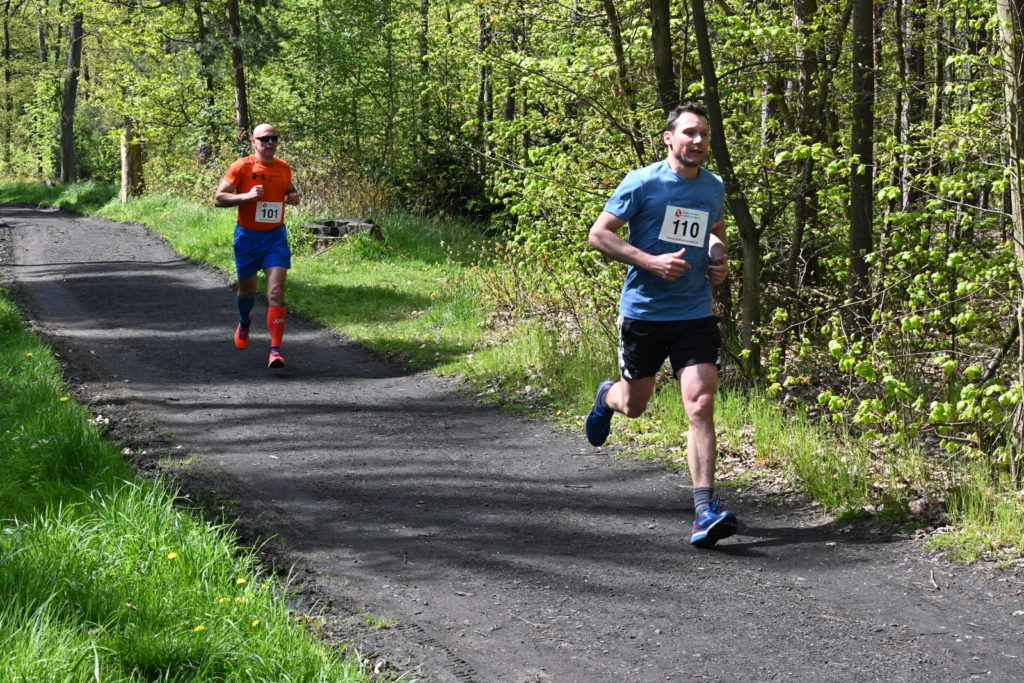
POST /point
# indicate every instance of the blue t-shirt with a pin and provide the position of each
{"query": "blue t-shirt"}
(666, 213)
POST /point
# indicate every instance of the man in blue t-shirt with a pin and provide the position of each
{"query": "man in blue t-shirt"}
(676, 250)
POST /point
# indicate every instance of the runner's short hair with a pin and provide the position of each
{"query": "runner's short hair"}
(692, 107)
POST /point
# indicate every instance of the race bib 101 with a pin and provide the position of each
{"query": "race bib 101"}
(269, 212)
(684, 226)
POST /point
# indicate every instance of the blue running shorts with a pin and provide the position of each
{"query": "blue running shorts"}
(257, 250)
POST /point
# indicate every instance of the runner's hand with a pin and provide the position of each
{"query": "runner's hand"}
(669, 266)
(256, 192)
(718, 270)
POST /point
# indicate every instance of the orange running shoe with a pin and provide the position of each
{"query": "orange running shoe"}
(276, 359)
(241, 336)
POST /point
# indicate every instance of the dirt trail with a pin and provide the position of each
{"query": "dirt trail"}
(507, 550)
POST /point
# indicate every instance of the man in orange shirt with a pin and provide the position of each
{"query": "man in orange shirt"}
(260, 186)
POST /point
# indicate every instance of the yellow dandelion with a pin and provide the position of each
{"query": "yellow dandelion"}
(240, 581)
(244, 601)
(29, 354)
(658, 422)
(199, 628)
(255, 623)
(172, 556)
(63, 398)
(223, 600)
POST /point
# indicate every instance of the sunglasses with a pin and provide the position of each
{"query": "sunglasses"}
(267, 138)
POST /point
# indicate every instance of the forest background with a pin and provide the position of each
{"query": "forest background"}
(871, 152)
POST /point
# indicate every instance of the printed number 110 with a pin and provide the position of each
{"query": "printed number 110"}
(690, 229)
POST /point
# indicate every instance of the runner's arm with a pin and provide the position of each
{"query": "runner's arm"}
(604, 236)
(227, 196)
(718, 254)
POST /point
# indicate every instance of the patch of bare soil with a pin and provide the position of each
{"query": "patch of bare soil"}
(484, 546)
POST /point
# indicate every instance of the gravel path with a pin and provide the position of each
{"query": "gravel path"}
(506, 550)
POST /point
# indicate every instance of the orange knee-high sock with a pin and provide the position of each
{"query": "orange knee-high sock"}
(275, 324)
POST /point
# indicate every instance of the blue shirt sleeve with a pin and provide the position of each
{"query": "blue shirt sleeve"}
(627, 198)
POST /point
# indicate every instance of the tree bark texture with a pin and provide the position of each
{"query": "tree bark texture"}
(862, 151)
(661, 42)
(8, 98)
(132, 184)
(750, 234)
(625, 83)
(204, 146)
(69, 99)
(1011, 20)
(805, 210)
(242, 123)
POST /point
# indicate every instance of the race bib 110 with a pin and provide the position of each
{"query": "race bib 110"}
(684, 226)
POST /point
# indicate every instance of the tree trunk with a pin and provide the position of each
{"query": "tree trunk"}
(862, 153)
(391, 111)
(8, 97)
(808, 125)
(68, 101)
(939, 47)
(916, 95)
(625, 83)
(132, 184)
(44, 54)
(423, 45)
(661, 41)
(204, 146)
(750, 234)
(485, 89)
(242, 123)
(1011, 19)
(44, 57)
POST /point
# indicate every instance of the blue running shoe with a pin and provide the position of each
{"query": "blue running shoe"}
(712, 525)
(599, 421)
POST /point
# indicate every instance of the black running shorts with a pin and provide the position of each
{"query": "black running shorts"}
(645, 344)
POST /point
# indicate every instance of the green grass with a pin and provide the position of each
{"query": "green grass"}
(84, 198)
(103, 577)
(986, 518)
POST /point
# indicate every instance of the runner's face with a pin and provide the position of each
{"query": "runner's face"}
(264, 149)
(688, 141)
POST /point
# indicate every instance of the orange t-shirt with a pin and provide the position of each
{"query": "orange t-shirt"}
(267, 212)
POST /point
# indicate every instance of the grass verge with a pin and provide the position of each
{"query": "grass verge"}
(103, 577)
(84, 198)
